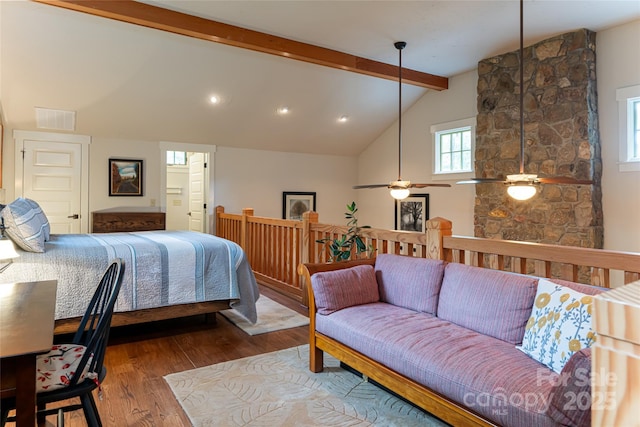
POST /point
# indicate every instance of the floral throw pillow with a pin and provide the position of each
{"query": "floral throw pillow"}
(56, 368)
(560, 325)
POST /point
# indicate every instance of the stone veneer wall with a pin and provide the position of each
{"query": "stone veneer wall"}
(561, 139)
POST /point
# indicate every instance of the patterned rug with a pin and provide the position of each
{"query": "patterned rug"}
(277, 389)
(272, 316)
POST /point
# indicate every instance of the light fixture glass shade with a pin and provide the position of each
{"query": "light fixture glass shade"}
(521, 191)
(399, 193)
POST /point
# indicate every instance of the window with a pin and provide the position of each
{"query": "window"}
(629, 127)
(454, 145)
(176, 158)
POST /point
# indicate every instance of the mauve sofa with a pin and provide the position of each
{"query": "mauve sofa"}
(446, 334)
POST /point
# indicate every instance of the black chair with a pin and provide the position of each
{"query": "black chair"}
(92, 333)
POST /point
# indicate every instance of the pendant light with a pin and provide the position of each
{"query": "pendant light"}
(523, 186)
(399, 189)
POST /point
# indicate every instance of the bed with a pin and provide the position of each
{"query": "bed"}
(168, 274)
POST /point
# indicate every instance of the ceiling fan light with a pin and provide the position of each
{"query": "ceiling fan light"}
(521, 191)
(522, 177)
(399, 193)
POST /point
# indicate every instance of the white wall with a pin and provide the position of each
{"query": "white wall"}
(242, 178)
(256, 179)
(101, 150)
(618, 65)
(377, 208)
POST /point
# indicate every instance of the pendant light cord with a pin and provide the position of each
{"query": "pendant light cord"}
(521, 87)
(400, 46)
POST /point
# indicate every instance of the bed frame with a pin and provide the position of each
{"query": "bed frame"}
(70, 325)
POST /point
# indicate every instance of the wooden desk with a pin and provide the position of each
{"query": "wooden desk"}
(26, 329)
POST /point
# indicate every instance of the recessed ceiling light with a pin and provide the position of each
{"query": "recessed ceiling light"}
(215, 99)
(343, 119)
(283, 110)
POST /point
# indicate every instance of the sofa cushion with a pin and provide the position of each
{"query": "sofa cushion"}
(492, 302)
(486, 374)
(559, 325)
(335, 290)
(56, 368)
(409, 282)
(570, 399)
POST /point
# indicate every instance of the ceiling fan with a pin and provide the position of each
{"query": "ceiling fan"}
(523, 186)
(399, 188)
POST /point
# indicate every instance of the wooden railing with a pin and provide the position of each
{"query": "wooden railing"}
(275, 248)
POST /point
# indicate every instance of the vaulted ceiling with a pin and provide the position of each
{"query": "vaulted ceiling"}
(127, 81)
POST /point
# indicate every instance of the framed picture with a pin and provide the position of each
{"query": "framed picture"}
(125, 177)
(295, 203)
(412, 213)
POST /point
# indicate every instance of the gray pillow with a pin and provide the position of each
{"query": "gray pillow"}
(24, 224)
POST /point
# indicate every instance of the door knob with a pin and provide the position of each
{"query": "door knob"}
(74, 216)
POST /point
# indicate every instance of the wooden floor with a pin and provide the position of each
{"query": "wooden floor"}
(135, 394)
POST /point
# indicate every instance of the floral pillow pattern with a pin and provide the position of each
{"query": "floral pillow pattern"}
(560, 325)
(56, 368)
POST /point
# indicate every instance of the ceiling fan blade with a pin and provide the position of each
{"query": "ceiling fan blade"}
(480, 181)
(358, 187)
(564, 180)
(428, 185)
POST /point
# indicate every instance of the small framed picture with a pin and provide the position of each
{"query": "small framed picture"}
(412, 213)
(125, 177)
(295, 203)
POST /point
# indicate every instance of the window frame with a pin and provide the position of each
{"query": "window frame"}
(450, 127)
(627, 97)
(186, 158)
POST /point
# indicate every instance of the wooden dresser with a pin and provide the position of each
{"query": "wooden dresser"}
(127, 219)
(616, 357)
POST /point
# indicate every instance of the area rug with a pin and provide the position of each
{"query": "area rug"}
(277, 389)
(272, 316)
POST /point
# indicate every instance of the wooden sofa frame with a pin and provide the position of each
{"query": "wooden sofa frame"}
(540, 260)
(427, 399)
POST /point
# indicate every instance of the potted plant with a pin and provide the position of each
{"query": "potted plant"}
(341, 248)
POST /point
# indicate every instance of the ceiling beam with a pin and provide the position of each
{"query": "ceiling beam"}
(188, 25)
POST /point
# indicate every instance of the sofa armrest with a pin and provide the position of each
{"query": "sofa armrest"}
(568, 402)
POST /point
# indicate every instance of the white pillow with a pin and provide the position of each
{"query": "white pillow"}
(560, 325)
(46, 228)
(24, 224)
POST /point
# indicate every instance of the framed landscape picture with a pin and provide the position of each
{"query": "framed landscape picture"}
(125, 177)
(412, 213)
(295, 203)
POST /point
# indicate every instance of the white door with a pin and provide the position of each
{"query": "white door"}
(51, 174)
(197, 192)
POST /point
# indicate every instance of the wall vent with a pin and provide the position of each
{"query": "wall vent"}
(46, 118)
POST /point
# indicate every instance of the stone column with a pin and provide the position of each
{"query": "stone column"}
(561, 139)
